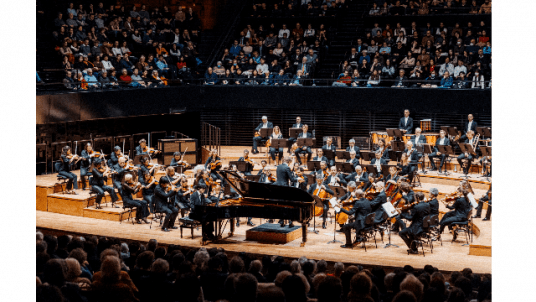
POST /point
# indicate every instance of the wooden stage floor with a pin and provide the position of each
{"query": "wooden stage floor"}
(449, 257)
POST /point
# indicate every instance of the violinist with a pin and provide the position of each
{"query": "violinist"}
(408, 196)
(264, 163)
(460, 211)
(359, 177)
(182, 199)
(304, 149)
(432, 201)
(383, 149)
(144, 149)
(416, 216)
(257, 138)
(116, 155)
(117, 178)
(213, 164)
(203, 178)
(377, 162)
(353, 147)
(484, 199)
(277, 135)
(146, 166)
(246, 158)
(85, 163)
(468, 157)
(68, 159)
(129, 188)
(198, 199)
(172, 176)
(361, 209)
(320, 156)
(329, 146)
(178, 161)
(300, 175)
(148, 184)
(315, 190)
(376, 203)
(98, 180)
(267, 177)
(162, 193)
(369, 185)
(353, 159)
(334, 178)
(441, 141)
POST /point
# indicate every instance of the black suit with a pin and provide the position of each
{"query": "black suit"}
(141, 205)
(481, 204)
(406, 126)
(439, 142)
(257, 139)
(197, 199)
(461, 209)
(162, 205)
(65, 170)
(148, 193)
(300, 185)
(341, 181)
(354, 161)
(361, 209)
(400, 224)
(413, 162)
(382, 162)
(292, 140)
(139, 151)
(421, 140)
(284, 175)
(307, 150)
(323, 158)
(331, 161)
(376, 206)
(354, 177)
(325, 203)
(434, 206)
(85, 163)
(469, 158)
(356, 149)
(385, 153)
(416, 216)
(97, 182)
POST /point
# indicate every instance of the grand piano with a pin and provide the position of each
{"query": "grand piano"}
(258, 200)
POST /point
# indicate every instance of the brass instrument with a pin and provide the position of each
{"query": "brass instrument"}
(475, 142)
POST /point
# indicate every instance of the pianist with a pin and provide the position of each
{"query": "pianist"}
(197, 199)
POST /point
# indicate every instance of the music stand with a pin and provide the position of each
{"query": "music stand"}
(242, 166)
(451, 131)
(254, 178)
(398, 147)
(311, 179)
(465, 147)
(342, 154)
(371, 169)
(486, 151)
(367, 155)
(293, 132)
(137, 159)
(329, 154)
(345, 167)
(318, 201)
(447, 150)
(426, 149)
(385, 169)
(265, 132)
(307, 142)
(313, 165)
(487, 131)
(394, 132)
(391, 212)
(279, 143)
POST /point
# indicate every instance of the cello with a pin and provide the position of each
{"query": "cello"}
(322, 194)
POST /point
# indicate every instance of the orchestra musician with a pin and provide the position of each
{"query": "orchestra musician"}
(329, 146)
(470, 125)
(418, 139)
(249, 167)
(267, 177)
(359, 176)
(416, 216)
(441, 141)
(304, 149)
(97, 181)
(85, 163)
(146, 166)
(460, 211)
(67, 160)
(383, 149)
(292, 140)
(353, 147)
(117, 178)
(334, 178)
(393, 176)
(353, 159)
(468, 157)
(172, 176)
(277, 135)
(320, 156)
(115, 156)
(406, 123)
(162, 193)
(408, 196)
(370, 182)
(432, 201)
(351, 188)
(378, 161)
(198, 199)
(264, 163)
(485, 161)
(129, 188)
(148, 184)
(413, 158)
(403, 166)
(257, 138)
(178, 161)
(143, 149)
(324, 170)
(300, 175)
(319, 184)
(361, 209)
(376, 203)
(484, 199)
(213, 164)
(182, 198)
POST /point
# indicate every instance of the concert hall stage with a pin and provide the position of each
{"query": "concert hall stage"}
(59, 213)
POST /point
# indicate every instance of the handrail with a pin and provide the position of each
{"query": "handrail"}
(211, 137)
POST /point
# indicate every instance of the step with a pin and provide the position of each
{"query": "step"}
(73, 204)
(109, 213)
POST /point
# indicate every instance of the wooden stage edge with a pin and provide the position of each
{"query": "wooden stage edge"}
(447, 258)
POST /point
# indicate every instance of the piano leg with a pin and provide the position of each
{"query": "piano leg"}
(232, 227)
(304, 234)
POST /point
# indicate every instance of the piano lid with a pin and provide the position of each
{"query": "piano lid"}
(257, 190)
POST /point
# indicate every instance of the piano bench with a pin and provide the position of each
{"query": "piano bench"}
(186, 222)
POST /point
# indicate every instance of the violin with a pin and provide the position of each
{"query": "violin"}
(215, 164)
(449, 198)
(150, 150)
(95, 154)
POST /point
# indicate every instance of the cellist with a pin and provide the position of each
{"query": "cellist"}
(361, 209)
(213, 164)
(376, 203)
(316, 190)
(408, 196)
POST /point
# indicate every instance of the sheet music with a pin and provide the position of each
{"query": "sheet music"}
(472, 200)
(389, 209)
(333, 202)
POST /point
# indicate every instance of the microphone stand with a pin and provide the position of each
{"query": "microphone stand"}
(335, 230)
(389, 236)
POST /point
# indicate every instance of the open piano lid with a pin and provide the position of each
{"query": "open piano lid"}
(256, 190)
